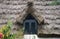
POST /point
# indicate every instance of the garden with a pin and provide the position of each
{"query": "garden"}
(5, 32)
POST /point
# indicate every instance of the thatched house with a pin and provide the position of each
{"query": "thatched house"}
(46, 17)
(30, 19)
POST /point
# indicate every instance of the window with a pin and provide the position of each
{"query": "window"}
(30, 27)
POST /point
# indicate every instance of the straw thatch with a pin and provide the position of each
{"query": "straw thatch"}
(51, 14)
(31, 11)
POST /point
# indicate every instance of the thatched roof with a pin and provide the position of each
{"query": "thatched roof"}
(33, 12)
(51, 14)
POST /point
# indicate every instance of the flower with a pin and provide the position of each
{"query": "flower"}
(1, 35)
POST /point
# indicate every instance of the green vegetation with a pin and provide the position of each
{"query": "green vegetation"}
(5, 30)
(55, 2)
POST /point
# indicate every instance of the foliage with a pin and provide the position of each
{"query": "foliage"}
(6, 29)
(19, 34)
(55, 2)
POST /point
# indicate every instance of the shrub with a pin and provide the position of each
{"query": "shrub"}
(5, 30)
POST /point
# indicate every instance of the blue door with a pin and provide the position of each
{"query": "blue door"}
(30, 27)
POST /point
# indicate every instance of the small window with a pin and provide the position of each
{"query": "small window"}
(27, 26)
(33, 25)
